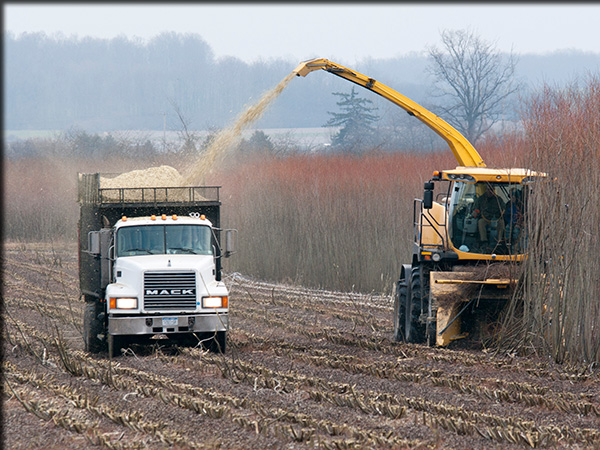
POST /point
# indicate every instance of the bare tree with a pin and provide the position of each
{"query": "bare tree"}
(189, 138)
(475, 77)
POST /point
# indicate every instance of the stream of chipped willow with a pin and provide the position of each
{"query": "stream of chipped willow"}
(228, 137)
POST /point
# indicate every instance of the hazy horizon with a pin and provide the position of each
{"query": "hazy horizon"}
(349, 33)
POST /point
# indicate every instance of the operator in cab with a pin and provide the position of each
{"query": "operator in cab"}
(489, 209)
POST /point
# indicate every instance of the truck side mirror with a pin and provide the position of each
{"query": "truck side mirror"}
(230, 242)
(93, 243)
(428, 195)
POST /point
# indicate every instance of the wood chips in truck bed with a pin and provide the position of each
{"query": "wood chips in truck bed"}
(140, 185)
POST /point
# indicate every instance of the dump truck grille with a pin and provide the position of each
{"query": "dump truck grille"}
(169, 290)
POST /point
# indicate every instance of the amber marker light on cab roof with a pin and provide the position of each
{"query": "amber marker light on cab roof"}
(152, 217)
(203, 217)
(163, 217)
(174, 217)
(124, 218)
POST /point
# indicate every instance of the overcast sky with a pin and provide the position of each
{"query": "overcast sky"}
(348, 33)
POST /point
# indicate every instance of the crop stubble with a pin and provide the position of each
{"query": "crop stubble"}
(306, 368)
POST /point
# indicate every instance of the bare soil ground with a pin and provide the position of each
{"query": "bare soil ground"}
(304, 369)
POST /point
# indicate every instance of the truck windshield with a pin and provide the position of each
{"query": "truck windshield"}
(164, 239)
(488, 217)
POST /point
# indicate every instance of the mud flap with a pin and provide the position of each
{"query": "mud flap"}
(452, 292)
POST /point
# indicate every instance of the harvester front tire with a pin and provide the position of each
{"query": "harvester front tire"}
(93, 327)
(415, 330)
(400, 300)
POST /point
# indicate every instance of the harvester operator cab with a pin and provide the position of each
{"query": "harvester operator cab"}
(486, 217)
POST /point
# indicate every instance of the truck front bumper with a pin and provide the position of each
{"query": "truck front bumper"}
(165, 324)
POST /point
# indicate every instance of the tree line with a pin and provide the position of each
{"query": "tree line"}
(54, 82)
(57, 82)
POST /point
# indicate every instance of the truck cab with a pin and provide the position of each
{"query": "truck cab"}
(150, 266)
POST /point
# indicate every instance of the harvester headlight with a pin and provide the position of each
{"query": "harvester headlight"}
(123, 303)
(214, 302)
(461, 177)
(529, 180)
(436, 257)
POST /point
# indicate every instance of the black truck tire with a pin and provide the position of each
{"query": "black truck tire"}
(93, 326)
(186, 339)
(216, 342)
(400, 300)
(116, 343)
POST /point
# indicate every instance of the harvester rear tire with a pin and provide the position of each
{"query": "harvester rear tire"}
(93, 327)
(400, 300)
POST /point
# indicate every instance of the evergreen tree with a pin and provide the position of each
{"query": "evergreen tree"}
(356, 120)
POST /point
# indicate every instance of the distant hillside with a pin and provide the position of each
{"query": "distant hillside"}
(118, 84)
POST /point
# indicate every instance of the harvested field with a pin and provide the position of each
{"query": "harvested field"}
(304, 369)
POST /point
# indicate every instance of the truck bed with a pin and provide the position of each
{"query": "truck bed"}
(90, 191)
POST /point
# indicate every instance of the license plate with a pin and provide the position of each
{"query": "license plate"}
(169, 321)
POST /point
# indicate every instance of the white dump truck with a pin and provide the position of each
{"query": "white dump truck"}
(150, 265)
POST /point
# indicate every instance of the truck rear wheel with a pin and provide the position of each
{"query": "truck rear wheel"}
(93, 327)
(400, 300)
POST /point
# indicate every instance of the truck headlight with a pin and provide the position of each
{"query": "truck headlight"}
(123, 303)
(214, 302)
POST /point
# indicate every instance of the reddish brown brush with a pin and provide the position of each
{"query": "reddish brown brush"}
(340, 222)
(562, 280)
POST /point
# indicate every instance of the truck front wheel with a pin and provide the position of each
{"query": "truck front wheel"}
(93, 328)
(216, 342)
(116, 343)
